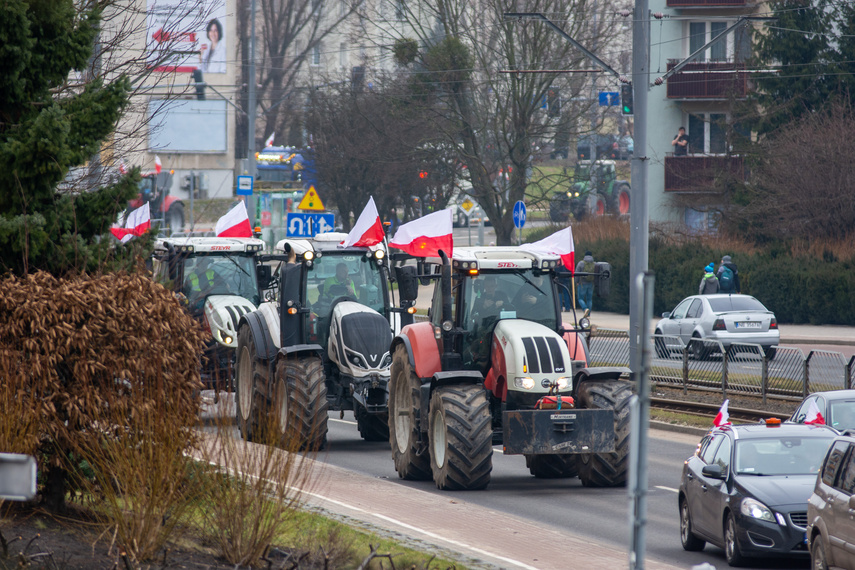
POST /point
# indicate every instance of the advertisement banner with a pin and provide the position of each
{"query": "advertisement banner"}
(182, 36)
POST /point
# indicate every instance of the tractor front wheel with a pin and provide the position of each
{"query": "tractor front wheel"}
(251, 376)
(300, 403)
(461, 438)
(607, 469)
(412, 460)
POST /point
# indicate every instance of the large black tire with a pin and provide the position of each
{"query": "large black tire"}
(251, 377)
(770, 352)
(690, 542)
(412, 458)
(553, 466)
(607, 469)
(732, 552)
(372, 427)
(461, 438)
(818, 559)
(300, 403)
(620, 200)
(175, 217)
(699, 349)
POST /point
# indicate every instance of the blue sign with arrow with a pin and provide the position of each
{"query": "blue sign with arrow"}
(519, 214)
(308, 225)
(609, 98)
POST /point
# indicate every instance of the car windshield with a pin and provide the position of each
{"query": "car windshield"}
(782, 455)
(219, 274)
(736, 303)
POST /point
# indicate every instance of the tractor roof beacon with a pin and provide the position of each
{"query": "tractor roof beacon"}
(219, 280)
(495, 363)
(320, 342)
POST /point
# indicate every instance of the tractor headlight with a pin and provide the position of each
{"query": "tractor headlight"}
(356, 360)
(525, 383)
(387, 361)
(562, 382)
(379, 254)
(447, 325)
(224, 337)
(309, 255)
(585, 323)
(577, 194)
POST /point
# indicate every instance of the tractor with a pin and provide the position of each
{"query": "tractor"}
(595, 190)
(167, 211)
(231, 285)
(320, 343)
(495, 364)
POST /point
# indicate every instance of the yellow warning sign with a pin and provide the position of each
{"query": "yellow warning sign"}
(467, 205)
(311, 201)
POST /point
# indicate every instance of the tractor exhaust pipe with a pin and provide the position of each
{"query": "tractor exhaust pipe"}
(450, 359)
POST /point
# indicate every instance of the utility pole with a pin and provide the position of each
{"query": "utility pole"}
(250, 143)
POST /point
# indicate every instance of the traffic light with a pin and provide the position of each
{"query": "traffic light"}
(626, 99)
(200, 84)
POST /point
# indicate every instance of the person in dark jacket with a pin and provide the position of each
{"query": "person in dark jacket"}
(709, 283)
(728, 276)
(564, 274)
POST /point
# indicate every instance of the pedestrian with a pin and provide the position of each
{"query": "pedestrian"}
(681, 142)
(564, 274)
(728, 276)
(586, 268)
(709, 283)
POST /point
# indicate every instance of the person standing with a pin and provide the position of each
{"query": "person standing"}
(709, 283)
(728, 276)
(587, 267)
(681, 143)
(564, 274)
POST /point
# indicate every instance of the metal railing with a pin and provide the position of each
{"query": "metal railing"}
(740, 369)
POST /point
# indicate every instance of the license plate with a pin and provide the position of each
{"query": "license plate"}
(748, 325)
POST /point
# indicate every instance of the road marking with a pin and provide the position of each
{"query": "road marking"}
(342, 421)
(666, 489)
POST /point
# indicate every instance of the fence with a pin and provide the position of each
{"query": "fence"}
(740, 369)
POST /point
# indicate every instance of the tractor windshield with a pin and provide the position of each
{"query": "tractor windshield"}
(218, 274)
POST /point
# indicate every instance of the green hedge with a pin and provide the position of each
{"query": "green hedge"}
(797, 289)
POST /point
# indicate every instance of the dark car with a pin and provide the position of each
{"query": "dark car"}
(831, 526)
(837, 408)
(746, 489)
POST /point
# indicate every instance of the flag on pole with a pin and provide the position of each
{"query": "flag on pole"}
(235, 223)
(157, 165)
(123, 168)
(269, 141)
(427, 235)
(137, 223)
(559, 243)
(814, 416)
(721, 418)
(368, 230)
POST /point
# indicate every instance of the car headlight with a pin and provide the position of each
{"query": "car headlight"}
(755, 509)
(525, 383)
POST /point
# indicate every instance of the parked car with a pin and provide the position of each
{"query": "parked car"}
(746, 489)
(836, 406)
(604, 144)
(725, 318)
(831, 528)
(622, 148)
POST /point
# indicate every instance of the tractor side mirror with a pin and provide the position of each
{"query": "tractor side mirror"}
(264, 274)
(408, 283)
(602, 279)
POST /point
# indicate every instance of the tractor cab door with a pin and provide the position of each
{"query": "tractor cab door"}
(292, 292)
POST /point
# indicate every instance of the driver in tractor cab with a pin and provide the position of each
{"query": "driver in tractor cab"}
(201, 279)
(491, 301)
(341, 280)
(531, 300)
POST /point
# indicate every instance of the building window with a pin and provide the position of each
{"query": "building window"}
(342, 7)
(316, 55)
(342, 55)
(400, 10)
(707, 133)
(700, 33)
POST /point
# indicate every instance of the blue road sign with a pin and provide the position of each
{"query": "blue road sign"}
(308, 225)
(244, 185)
(609, 98)
(519, 214)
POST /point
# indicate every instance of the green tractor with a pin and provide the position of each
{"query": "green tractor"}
(594, 190)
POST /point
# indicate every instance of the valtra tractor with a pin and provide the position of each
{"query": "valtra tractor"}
(496, 364)
(320, 343)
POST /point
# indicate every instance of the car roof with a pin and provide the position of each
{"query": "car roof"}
(763, 430)
(835, 394)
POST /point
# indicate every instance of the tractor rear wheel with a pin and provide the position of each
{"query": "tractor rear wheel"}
(461, 438)
(412, 459)
(623, 198)
(175, 218)
(552, 466)
(372, 427)
(607, 469)
(251, 376)
(300, 403)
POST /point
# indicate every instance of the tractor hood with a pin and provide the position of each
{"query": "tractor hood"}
(359, 340)
(223, 313)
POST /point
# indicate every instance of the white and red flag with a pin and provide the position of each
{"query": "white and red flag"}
(269, 141)
(157, 165)
(814, 416)
(235, 223)
(368, 230)
(722, 417)
(427, 235)
(559, 243)
(137, 223)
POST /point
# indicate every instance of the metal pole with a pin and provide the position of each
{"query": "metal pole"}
(469, 226)
(481, 230)
(250, 135)
(593, 135)
(192, 196)
(639, 209)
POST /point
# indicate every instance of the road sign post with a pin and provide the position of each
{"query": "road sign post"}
(519, 218)
(244, 187)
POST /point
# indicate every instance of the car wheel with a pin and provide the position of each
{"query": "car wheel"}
(690, 542)
(817, 554)
(699, 349)
(661, 347)
(731, 544)
(770, 352)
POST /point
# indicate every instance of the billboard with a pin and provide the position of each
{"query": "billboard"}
(183, 35)
(187, 125)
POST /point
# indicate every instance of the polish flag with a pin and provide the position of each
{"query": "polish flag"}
(722, 416)
(123, 168)
(559, 243)
(367, 230)
(157, 165)
(269, 141)
(137, 223)
(814, 416)
(235, 223)
(427, 235)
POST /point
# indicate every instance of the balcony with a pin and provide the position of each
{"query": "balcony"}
(699, 173)
(709, 3)
(708, 80)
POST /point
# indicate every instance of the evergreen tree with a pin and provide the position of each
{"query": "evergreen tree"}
(47, 127)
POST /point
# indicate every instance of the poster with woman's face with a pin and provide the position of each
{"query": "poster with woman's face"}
(186, 35)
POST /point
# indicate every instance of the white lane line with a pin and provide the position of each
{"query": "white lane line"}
(667, 489)
(342, 421)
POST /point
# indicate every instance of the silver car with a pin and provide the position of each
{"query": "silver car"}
(725, 318)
